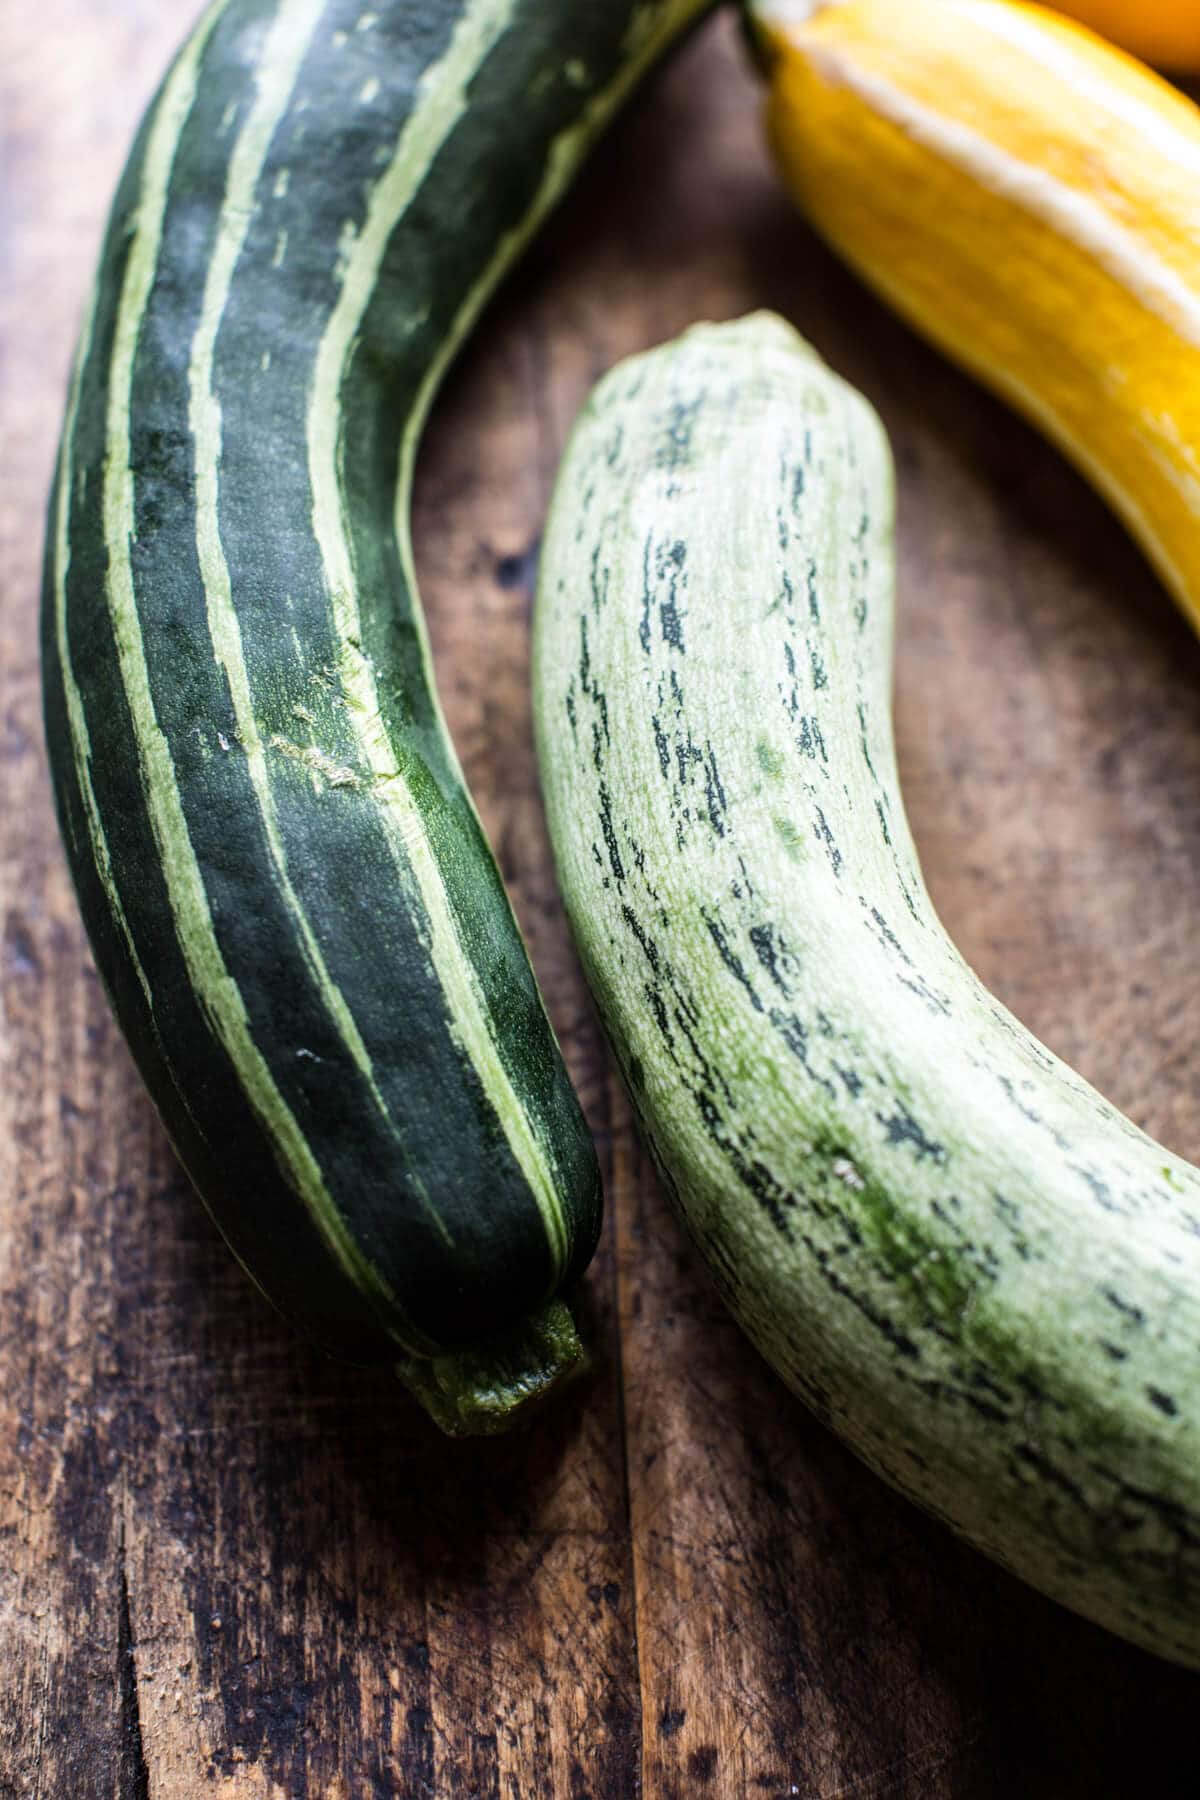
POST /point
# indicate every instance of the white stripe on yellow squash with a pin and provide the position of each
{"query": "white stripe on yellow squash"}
(1029, 199)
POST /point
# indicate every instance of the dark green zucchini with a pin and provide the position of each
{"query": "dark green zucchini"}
(288, 893)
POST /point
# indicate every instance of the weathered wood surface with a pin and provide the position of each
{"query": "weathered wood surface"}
(230, 1568)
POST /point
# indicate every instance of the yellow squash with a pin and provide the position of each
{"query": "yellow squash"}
(1163, 31)
(1029, 198)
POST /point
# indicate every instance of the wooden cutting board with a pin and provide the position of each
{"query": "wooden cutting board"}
(230, 1568)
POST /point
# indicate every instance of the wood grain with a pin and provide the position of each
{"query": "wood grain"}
(231, 1568)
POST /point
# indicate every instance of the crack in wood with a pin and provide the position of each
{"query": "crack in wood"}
(40, 1753)
(133, 1776)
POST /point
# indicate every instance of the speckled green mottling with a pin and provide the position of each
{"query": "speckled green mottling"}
(982, 1275)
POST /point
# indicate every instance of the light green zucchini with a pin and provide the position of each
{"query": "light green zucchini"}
(289, 896)
(969, 1264)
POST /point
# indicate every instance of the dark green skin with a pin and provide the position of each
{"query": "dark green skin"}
(452, 1147)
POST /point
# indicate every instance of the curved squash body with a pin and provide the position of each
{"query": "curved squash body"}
(289, 896)
(1027, 197)
(962, 1257)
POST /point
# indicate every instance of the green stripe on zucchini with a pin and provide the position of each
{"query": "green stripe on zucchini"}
(288, 891)
(967, 1262)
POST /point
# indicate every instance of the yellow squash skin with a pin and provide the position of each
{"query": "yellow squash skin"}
(1029, 199)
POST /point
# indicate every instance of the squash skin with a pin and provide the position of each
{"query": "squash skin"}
(973, 1268)
(1024, 196)
(288, 893)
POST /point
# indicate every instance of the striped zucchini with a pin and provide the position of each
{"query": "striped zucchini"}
(966, 1262)
(288, 892)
